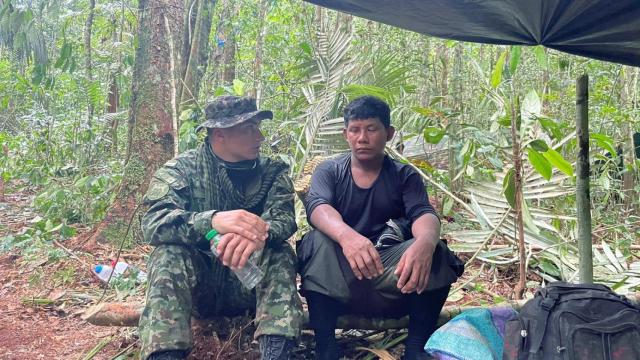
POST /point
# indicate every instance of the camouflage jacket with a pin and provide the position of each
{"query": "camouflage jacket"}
(185, 192)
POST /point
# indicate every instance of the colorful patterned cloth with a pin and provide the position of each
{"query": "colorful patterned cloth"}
(475, 334)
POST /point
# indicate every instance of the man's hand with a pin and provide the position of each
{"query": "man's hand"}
(363, 257)
(414, 266)
(240, 222)
(234, 250)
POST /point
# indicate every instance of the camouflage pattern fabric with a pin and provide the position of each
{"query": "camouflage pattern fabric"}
(227, 111)
(185, 279)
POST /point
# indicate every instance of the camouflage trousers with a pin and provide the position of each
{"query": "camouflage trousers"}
(185, 282)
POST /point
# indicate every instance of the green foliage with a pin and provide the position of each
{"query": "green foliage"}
(458, 97)
(514, 59)
(35, 240)
(496, 75)
(558, 161)
(64, 276)
(509, 188)
(541, 56)
(85, 200)
(603, 141)
(433, 135)
(187, 136)
(540, 163)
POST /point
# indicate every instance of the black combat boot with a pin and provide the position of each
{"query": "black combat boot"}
(275, 347)
(168, 355)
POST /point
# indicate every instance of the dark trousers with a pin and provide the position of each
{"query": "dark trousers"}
(331, 289)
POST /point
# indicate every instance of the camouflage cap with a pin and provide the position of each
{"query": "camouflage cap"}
(227, 111)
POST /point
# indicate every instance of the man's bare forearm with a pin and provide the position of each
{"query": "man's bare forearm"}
(426, 228)
(329, 221)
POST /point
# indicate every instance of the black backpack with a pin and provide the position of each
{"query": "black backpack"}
(574, 322)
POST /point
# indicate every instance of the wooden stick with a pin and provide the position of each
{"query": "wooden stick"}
(583, 198)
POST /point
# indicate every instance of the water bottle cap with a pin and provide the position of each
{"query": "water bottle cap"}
(211, 234)
(98, 268)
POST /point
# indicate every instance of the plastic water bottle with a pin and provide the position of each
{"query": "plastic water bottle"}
(249, 275)
(120, 268)
(103, 272)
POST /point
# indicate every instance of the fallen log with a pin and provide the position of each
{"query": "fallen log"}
(128, 314)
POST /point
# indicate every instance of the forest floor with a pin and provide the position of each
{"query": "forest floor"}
(46, 288)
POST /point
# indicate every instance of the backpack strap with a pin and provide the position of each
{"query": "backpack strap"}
(537, 332)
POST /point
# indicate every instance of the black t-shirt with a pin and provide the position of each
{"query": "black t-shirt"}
(398, 192)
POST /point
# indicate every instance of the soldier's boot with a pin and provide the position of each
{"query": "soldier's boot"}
(275, 347)
(168, 355)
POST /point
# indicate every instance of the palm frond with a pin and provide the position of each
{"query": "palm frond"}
(333, 69)
(491, 207)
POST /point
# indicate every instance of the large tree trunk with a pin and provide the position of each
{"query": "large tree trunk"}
(256, 91)
(226, 54)
(195, 50)
(151, 135)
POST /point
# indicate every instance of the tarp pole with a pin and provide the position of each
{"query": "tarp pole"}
(583, 197)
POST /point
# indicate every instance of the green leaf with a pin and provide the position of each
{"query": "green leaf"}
(514, 60)
(467, 151)
(39, 72)
(306, 48)
(496, 74)
(83, 181)
(539, 145)
(551, 127)
(219, 91)
(505, 120)
(72, 65)
(528, 219)
(447, 205)
(604, 142)
(355, 90)
(436, 99)
(433, 134)
(539, 163)
(531, 106)
(620, 283)
(94, 94)
(509, 187)
(238, 87)
(187, 114)
(541, 57)
(558, 161)
(548, 267)
(65, 53)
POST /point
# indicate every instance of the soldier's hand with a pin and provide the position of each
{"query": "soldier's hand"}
(414, 267)
(241, 222)
(234, 250)
(363, 257)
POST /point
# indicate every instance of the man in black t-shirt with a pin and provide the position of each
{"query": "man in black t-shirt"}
(351, 262)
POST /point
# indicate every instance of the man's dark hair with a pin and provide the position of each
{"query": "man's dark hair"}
(366, 107)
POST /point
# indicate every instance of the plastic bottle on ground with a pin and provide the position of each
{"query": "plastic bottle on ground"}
(249, 275)
(103, 272)
(120, 268)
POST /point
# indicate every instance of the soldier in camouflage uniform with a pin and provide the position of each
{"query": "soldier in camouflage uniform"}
(222, 185)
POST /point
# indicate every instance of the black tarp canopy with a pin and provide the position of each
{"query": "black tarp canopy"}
(601, 29)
